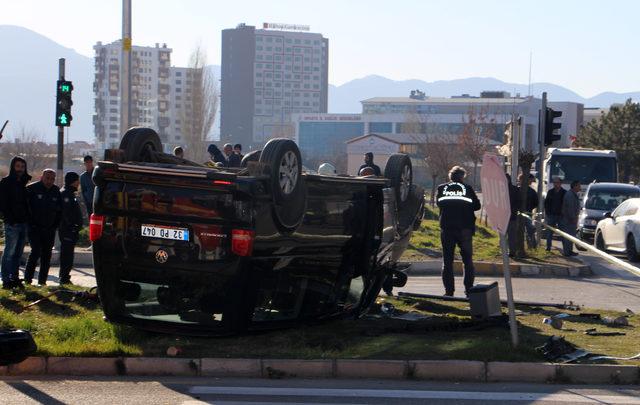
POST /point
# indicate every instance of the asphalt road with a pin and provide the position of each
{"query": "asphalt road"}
(192, 391)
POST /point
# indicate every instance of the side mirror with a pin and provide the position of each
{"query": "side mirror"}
(606, 215)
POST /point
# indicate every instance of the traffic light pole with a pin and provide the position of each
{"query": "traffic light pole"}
(125, 77)
(60, 167)
(543, 151)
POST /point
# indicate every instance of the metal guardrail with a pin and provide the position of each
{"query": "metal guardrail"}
(608, 257)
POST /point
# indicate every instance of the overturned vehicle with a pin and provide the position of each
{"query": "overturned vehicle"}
(180, 247)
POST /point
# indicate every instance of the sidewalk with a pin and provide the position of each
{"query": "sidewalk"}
(83, 256)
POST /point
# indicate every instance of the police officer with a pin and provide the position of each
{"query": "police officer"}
(70, 225)
(45, 206)
(457, 202)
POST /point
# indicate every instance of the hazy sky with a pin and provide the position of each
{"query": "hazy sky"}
(587, 46)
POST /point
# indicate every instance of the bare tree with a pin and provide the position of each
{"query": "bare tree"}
(475, 138)
(30, 145)
(434, 145)
(199, 107)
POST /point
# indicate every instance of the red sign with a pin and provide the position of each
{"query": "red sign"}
(495, 192)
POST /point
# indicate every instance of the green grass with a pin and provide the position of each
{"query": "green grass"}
(486, 243)
(63, 327)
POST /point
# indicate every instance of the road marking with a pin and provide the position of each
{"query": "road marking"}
(417, 394)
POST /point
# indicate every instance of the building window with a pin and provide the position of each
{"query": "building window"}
(269, 39)
(178, 74)
(113, 102)
(258, 38)
(258, 48)
(178, 81)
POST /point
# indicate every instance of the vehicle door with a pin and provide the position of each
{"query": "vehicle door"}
(615, 232)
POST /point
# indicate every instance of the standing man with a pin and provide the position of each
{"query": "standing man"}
(86, 183)
(44, 206)
(457, 202)
(237, 149)
(532, 203)
(70, 225)
(553, 208)
(570, 213)
(368, 162)
(233, 160)
(15, 211)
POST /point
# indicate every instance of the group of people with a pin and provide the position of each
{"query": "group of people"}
(35, 212)
(561, 210)
(231, 155)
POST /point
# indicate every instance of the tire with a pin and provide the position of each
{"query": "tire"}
(138, 142)
(599, 242)
(253, 156)
(632, 252)
(285, 164)
(282, 157)
(400, 172)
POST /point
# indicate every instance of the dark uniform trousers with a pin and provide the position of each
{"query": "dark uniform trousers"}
(463, 239)
(41, 241)
(67, 247)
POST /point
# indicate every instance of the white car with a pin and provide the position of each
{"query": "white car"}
(619, 231)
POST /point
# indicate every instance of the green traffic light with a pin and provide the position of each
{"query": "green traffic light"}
(64, 88)
(63, 119)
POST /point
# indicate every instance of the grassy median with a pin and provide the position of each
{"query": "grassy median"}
(425, 242)
(65, 327)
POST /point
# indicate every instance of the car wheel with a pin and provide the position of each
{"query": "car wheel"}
(138, 142)
(632, 252)
(253, 156)
(400, 172)
(600, 242)
(282, 157)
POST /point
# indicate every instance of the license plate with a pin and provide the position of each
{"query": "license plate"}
(164, 232)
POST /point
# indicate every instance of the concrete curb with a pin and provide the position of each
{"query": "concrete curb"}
(433, 267)
(443, 370)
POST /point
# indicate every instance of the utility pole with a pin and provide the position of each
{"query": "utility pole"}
(60, 166)
(543, 152)
(125, 68)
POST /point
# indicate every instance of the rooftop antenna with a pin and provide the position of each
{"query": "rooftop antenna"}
(530, 61)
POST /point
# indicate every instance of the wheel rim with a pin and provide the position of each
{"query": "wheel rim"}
(288, 174)
(405, 182)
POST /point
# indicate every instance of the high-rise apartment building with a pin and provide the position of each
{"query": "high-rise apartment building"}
(159, 94)
(268, 74)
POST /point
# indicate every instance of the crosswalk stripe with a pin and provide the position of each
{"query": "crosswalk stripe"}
(416, 394)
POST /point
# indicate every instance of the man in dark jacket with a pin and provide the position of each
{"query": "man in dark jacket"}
(86, 184)
(570, 212)
(514, 202)
(368, 162)
(233, 159)
(44, 206)
(457, 202)
(532, 204)
(553, 208)
(70, 225)
(15, 212)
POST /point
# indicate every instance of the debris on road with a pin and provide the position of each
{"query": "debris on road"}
(619, 321)
(594, 332)
(554, 322)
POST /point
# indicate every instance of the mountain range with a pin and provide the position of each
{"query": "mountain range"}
(29, 69)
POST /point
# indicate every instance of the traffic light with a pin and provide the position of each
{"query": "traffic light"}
(63, 103)
(550, 127)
